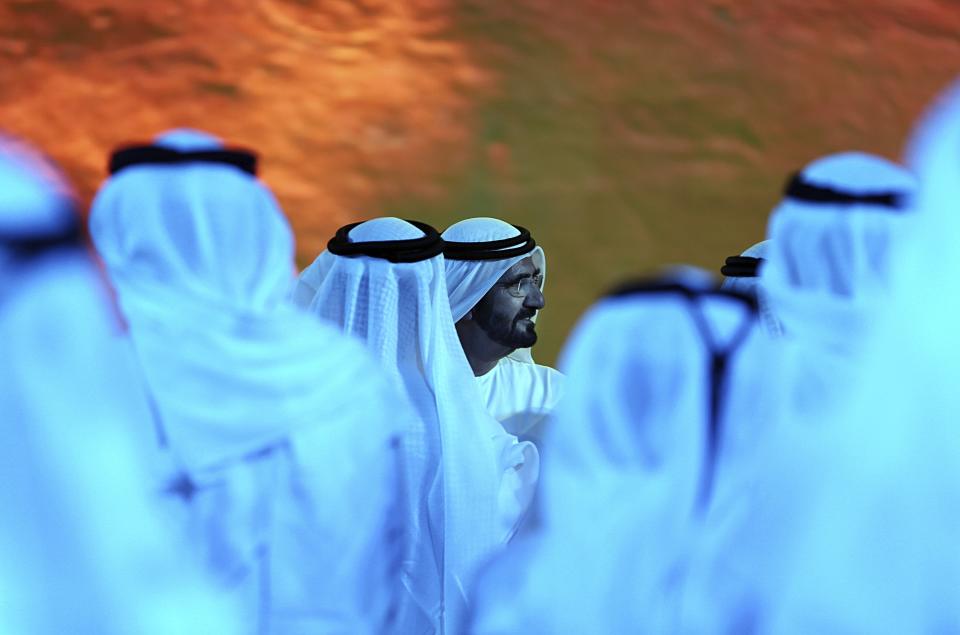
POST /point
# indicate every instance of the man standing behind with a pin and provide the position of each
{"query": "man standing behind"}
(495, 274)
(468, 483)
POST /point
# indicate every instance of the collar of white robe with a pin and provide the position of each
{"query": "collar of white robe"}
(719, 359)
(502, 249)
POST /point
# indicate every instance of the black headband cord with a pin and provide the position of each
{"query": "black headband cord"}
(502, 249)
(644, 287)
(396, 251)
(25, 247)
(145, 154)
(798, 188)
(718, 378)
(23, 251)
(742, 267)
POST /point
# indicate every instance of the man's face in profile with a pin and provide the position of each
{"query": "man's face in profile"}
(505, 313)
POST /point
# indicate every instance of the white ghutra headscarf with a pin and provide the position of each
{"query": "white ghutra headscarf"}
(282, 425)
(83, 547)
(518, 392)
(830, 263)
(470, 481)
(631, 470)
(469, 280)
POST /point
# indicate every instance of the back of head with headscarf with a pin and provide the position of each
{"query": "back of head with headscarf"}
(202, 258)
(469, 479)
(831, 244)
(830, 261)
(643, 423)
(246, 388)
(72, 454)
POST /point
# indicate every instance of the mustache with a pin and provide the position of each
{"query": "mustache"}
(525, 315)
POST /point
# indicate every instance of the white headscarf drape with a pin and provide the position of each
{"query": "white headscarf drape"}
(622, 491)
(469, 280)
(201, 257)
(83, 547)
(283, 423)
(829, 266)
(470, 480)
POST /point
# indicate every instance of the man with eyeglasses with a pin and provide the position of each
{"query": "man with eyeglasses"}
(495, 274)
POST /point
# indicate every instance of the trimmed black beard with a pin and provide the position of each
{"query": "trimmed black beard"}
(509, 334)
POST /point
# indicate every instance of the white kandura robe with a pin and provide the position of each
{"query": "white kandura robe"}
(518, 392)
(283, 428)
(521, 395)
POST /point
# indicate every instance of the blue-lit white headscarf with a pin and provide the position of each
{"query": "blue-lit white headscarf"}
(830, 264)
(632, 465)
(282, 425)
(83, 545)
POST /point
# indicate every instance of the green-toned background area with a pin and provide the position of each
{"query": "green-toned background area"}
(629, 136)
(626, 134)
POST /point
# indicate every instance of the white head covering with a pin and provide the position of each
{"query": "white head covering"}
(37, 200)
(401, 311)
(928, 264)
(829, 265)
(747, 284)
(201, 256)
(634, 426)
(82, 545)
(470, 280)
(829, 260)
(750, 285)
(250, 392)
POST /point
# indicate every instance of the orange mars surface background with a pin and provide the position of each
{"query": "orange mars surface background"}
(626, 134)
